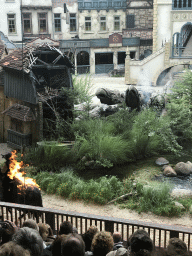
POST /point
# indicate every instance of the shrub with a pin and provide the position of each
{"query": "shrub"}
(180, 108)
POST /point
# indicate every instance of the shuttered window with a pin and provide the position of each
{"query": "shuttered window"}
(130, 21)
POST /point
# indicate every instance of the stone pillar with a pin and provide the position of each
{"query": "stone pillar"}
(92, 61)
(127, 66)
(167, 53)
(115, 59)
(155, 21)
(75, 56)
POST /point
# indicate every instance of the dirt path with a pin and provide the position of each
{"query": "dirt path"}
(56, 202)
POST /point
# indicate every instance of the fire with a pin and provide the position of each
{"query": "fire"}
(15, 172)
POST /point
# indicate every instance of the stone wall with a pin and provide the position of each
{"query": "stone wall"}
(143, 17)
(143, 34)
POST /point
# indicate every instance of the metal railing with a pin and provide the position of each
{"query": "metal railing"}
(181, 4)
(160, 234)
(181, 52)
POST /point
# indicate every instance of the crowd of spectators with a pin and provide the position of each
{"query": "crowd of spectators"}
(34, 239)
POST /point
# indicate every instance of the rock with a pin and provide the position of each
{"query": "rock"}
(157, 101)
(179, 205)
(182, 169)
(132, 98)
(109, 97)
(181, 193)
(169, 171)
(161, 161)
(189, 166)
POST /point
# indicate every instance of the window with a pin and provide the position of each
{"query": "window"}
(117, 23)
(57, 20)
(72, 22)
(27, 23)
(102, 23)
(42, 22)
(87, 23)
(130, 21)
(11, 23)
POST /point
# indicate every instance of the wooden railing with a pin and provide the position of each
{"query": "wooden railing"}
(160, 234)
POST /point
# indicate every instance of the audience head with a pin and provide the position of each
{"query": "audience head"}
(56, 246)
(117, 237)
(13, 249)
(102, 243)
(88, 237)
(75, 230)
(176, 247)
(7, 229)
(65, 228)
(140, 243)
(30, 223)
(45, 231)
(29, 239)
(73, 245)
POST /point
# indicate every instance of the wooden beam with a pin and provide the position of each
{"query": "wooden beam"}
(57, 59)
(50, 66)
(43, 62)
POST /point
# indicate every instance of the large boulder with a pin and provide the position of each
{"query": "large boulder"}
(157, 101)
(109, 97)
(189, 166)
(182, 169)
(161, 161)
(168, 171)
(132, 98)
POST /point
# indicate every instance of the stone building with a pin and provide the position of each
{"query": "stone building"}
(139, 23)
(172, 41)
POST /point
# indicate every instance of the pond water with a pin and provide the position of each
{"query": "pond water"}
(178, 183)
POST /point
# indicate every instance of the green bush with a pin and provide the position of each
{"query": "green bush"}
(180, 108)
(69, 185)
(154, 198)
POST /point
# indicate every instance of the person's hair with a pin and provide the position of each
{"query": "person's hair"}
(102, 243)
(176, 247)
(45, 231)
(30, 223)
(117, 237)
(73, 245)
(140, 243)
(65, 228)
(29, 239)
(56, 245)
(7, 229)
(88, 237)
(13, 249)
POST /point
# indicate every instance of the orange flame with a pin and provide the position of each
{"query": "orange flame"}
(14, 172)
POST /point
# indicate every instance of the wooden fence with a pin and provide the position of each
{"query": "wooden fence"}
(160, 234)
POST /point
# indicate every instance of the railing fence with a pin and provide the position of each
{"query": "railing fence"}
(160, 234)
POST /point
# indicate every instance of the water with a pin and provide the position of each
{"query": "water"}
(177, 183)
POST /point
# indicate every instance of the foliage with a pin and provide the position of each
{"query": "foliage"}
(49, 158)
(151, 134)
(180, 107)
(69, 185)
(153, 198)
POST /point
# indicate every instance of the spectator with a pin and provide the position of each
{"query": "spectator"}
(30, 223)
(13, 249)
(140, 243)
(7, 229)
(56, 245)
(73, 245)
(102, 243)
(29, 239)
(176, 247)
(65, 228)
(46, 233)
(88, 237)
(117, 238)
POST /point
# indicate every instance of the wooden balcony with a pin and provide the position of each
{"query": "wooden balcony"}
(18, 140)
